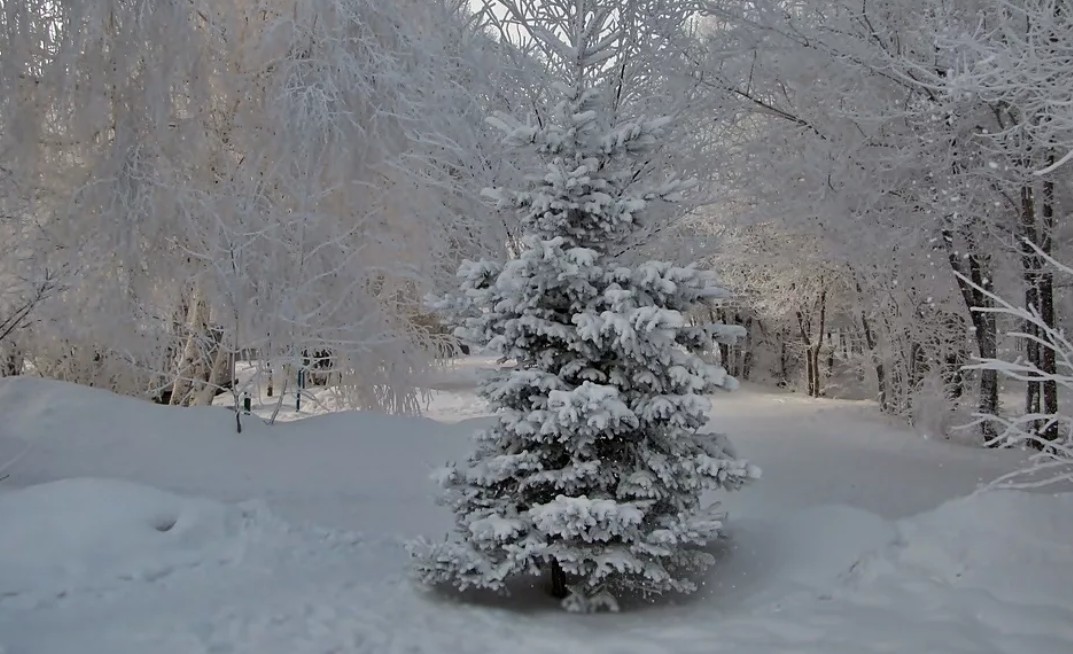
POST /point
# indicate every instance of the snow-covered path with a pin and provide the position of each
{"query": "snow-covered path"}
(839, 549)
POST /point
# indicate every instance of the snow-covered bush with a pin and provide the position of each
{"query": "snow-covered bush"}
(595, 468)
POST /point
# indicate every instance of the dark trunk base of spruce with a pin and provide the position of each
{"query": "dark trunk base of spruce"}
(558, 581)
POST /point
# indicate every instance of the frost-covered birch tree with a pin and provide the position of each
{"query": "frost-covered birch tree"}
(1011, 56)
(267, 176)
(905, 136)
(594, 471)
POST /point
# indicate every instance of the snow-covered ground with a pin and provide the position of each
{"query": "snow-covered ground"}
(130, 528)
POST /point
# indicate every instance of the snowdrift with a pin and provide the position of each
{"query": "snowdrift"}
(128, 528)
(351, 470)
(946, 581)
(993, 548)
(80, 534)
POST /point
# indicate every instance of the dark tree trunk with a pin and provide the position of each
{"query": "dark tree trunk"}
(953, 376)
(558, 580)
(816, 388)
(805, 328)
(747, 354)
(724, 349)
(955, 380)
(832, 348)
(1032, 351)
(881, 373)
(984, 327)
(11, 365)
(987, 342)
(819, 341)
(784, 376)
(1048, 364)
(916, 364)
(1030, 265)
(814, 345)
(1040, 397)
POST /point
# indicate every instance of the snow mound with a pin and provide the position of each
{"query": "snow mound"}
(847, 548)
(800, 554)
(355, 471)
(1010, 543)
(816, 546)
(998, 561)
(78, 534)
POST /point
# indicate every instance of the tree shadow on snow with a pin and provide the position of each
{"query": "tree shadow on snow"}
(525, 595)
(741, 568)
(737, 574)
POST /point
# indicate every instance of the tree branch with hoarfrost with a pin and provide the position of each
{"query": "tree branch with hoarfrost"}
(1049, 435)
(646, 69)
(267, 176)
(906, 136)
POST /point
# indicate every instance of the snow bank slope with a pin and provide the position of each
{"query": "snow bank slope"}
(946, 582)
(821, 559)
(353, 470)
(987, 573)
(1000, 561)
(76, 534)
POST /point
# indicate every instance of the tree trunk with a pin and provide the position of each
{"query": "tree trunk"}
(819, 340)
(813, 349)
(953, 376)
(832, 348)
(724, 348)
(11, 364)
(747, 355)
(984, 325)
(1046, 292)
(916, 365)
(987, 342)
(881, 374)
(1048, 363)
(783, 362)
(1030, 268)
(805, 330)
(815, 388)
(212, 379)
(558, 580)
(725, 359)
(1032, 350)
(1040, 397)
(186, 367)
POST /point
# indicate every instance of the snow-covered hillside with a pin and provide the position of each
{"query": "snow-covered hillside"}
(131, 528)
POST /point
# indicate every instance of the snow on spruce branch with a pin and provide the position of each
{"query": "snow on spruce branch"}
(595, 472)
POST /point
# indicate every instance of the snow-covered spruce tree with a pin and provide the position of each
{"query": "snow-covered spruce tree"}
(595, 468)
